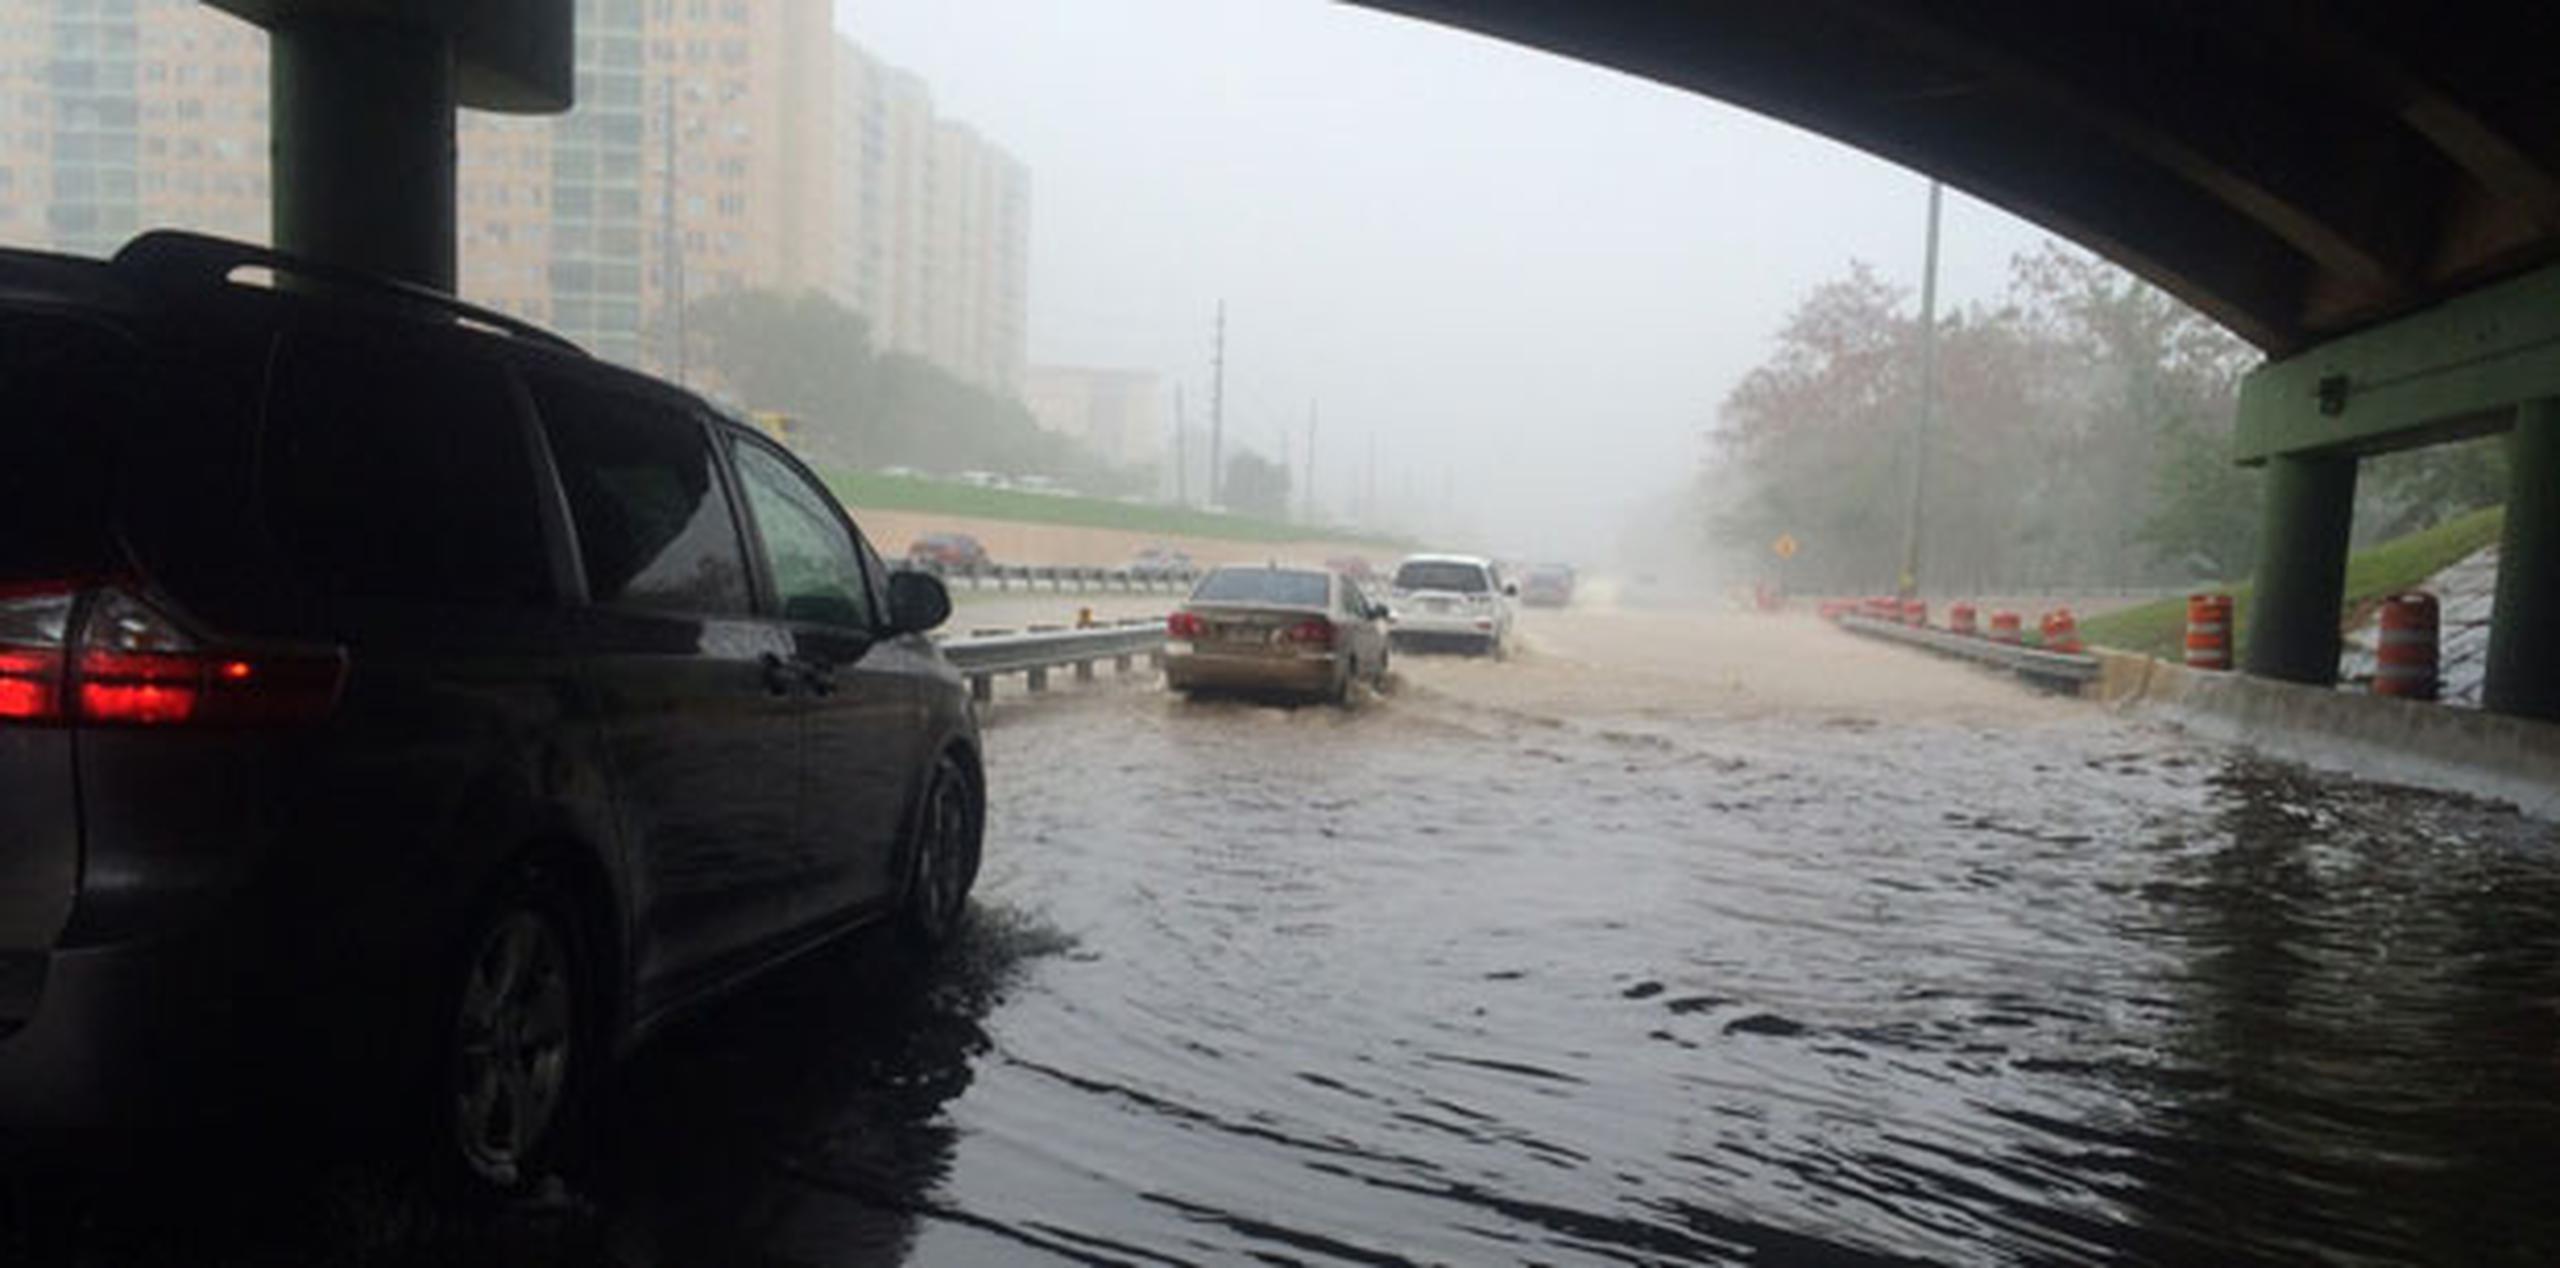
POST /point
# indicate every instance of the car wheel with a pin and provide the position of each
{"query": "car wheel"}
(1340, 692)
(516, 1056)
(942, 859)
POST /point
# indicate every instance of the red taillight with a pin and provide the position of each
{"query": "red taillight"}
(1185, 625)
(142, 688)
(1314, 631)
(130, 665)
(30, 684)
(35, 621)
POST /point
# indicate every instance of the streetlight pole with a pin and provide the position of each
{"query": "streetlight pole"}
(1921, 420)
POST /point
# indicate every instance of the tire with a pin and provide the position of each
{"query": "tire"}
(1339, 694)
(943, 851)
(518, 1041)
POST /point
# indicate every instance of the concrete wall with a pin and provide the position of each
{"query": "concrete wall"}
(2374, 737)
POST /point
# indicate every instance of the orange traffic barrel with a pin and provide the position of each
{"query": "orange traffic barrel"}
(2004, 627)
(2208, 631)
(1960, 618)
(2405, 663)
(2061, 631)
(1834, 609)
(1884, 607)
(1915, 611)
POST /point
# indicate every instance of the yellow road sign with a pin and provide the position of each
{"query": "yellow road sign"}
(1785, 546)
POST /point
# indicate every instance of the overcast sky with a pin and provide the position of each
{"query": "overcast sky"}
(1524, 275)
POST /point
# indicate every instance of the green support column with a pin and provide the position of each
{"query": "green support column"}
(2524, 628)
(2302, 567)
(363, 144)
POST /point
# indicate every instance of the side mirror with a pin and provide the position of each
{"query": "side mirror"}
(1511, 589)
(918, 602)
(1379, 612)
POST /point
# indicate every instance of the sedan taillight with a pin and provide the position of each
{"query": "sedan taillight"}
(1312, 632)
(1183, 625)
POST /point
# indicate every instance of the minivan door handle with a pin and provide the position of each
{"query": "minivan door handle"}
(780, 672)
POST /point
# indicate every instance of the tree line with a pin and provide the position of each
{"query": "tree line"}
(855, 405)
(2080, 437)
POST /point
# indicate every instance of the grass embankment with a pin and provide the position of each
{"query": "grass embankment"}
(2160, 627)
(863, 490)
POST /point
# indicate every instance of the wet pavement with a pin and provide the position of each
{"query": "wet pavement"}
(1473, 976)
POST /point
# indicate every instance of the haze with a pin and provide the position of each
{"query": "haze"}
(1529, 278)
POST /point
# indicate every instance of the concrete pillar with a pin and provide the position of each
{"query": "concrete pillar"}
(2524, 628)
(2302, 567)
(363, 146)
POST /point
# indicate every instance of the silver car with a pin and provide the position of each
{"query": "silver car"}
(1305, 631)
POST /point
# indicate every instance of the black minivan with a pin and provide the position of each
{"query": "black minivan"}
(402, 711)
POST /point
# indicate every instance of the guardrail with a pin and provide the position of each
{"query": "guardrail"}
(1060, 577)
(2066, 669)
(987, 653)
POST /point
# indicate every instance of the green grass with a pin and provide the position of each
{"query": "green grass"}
(2159, 627)
(869, 490)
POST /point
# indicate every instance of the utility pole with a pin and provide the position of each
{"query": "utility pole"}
(1311, 462)
(1928, 402)
(1181, 455)
(1218, 411)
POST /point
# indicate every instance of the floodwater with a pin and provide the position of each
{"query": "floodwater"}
(1671, 961)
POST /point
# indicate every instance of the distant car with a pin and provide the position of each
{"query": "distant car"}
(1452, 603)
(946, 551)
(1160, 561)
(1305, 631)
(1547, 586)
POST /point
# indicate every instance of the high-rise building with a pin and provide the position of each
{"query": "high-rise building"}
(1115, 413)
(717, 145)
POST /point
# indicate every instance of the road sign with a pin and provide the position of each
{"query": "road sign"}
(1785, 546)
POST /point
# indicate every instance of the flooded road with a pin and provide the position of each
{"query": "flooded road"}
(1663, 961)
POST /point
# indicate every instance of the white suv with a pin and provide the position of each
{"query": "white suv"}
(1451, 603)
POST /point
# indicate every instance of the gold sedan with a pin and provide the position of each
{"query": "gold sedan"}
(1304, 631)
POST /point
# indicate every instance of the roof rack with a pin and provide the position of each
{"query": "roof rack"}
(175, 255)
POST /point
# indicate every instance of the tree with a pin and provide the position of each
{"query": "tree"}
(1256, 485)
(2080, 435)
(811, 358)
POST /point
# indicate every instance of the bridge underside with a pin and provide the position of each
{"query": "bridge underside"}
(2370, 193)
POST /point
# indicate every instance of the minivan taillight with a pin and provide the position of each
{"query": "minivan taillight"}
(35, 618)
(130, 665)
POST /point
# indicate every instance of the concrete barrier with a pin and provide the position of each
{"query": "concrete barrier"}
(2374, 737)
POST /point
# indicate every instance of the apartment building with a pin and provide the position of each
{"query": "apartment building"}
(717, 145)
(1116, 413)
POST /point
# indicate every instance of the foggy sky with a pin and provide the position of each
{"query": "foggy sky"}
(1529, 277)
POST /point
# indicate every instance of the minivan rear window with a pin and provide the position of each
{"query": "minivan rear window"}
(1264, 585)
(398, 472)
(1462, 578)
